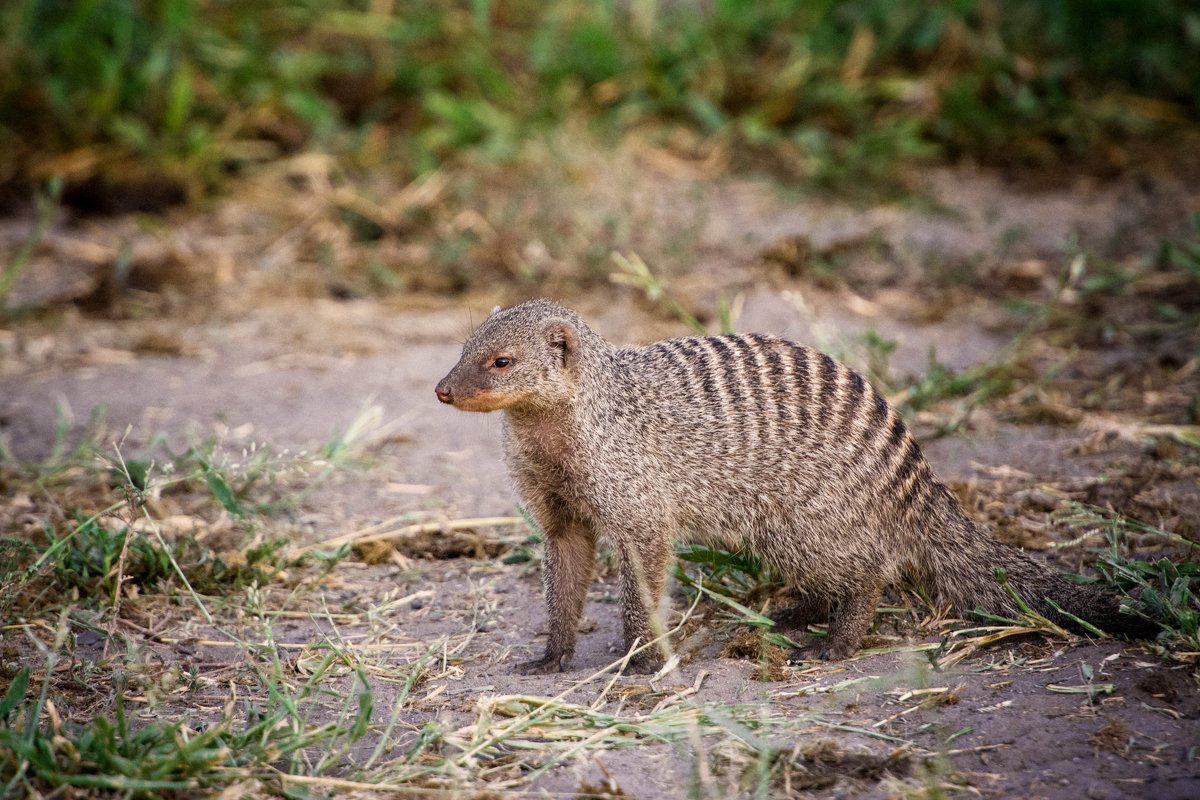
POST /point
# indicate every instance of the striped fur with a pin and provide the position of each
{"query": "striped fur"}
(750, 440)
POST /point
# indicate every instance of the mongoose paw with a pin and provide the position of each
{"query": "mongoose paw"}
(822, 650)
(546, 665)
(643, 664)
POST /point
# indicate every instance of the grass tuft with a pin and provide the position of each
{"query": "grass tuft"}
(1165, 591)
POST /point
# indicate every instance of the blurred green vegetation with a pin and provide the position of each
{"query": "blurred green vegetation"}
(192, 90)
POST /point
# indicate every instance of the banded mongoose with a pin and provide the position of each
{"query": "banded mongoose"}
(748, 439)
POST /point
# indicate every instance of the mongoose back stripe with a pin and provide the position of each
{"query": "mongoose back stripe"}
(828, 388)
(800, 368)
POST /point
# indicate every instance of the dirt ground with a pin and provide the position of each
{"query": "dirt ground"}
(289, 370)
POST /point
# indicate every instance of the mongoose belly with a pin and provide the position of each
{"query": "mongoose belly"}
(749, 439)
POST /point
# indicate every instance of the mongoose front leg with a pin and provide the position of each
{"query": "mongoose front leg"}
(643, 575)
(846, 629)
(567, 573)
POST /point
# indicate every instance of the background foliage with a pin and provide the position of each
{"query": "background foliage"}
(190, 90)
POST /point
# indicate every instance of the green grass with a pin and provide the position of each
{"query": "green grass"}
(91, 560)
(272, 726)
(1165, 590)
(838, 93)
(110, 544)
(1182, 254)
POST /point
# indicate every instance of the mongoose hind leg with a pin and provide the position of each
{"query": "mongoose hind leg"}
(846, 628)
(570, 553)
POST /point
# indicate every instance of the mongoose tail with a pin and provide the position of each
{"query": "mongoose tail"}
(956, 566)
(960, 569)
(751, 440)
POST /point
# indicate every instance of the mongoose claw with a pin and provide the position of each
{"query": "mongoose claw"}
(546, 665)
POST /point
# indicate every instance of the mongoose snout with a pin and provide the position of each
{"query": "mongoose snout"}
(749, 440)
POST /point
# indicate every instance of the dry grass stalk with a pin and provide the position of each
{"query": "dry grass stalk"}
(380, 532)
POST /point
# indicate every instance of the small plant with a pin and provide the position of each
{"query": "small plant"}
(733, 580)
(1164, 591)
(91, 558)
(970, 388)
(46, 205)
(633, 271)
(63, 462)
(173, 758)
(144, 763)
(878, 352)
(88, 556)
(725, 572)
(101, 555)
(995, 378)
(1182, 254)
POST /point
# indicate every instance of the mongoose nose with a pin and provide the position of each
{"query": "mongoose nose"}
(445, 394)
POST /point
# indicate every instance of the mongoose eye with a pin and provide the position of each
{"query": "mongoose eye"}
(501, 362)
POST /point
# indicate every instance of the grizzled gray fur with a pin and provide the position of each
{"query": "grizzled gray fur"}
(750, 440)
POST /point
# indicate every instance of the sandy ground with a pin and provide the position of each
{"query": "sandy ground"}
(292, 372)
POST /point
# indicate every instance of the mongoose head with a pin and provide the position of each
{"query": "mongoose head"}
(520, 358)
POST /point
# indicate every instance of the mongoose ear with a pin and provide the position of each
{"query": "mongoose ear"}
(564, 339)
